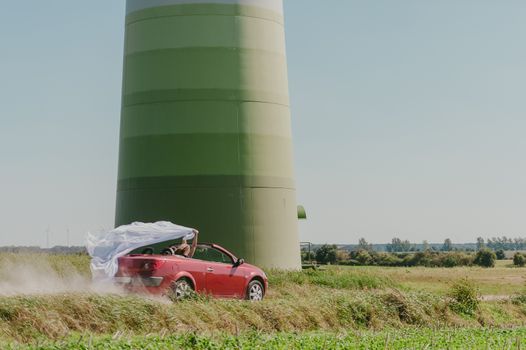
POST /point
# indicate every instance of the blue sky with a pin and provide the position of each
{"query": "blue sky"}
(408, 118)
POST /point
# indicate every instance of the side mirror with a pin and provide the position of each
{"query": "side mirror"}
(239, 262)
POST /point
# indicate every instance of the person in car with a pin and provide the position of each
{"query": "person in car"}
(184, 249)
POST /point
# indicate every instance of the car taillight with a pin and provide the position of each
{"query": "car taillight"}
(152, 265)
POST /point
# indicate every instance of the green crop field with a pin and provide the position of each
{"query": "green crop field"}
(406, 339)
(48, 302)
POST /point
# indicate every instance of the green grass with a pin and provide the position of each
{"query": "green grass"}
(336, 278)
(414, 338)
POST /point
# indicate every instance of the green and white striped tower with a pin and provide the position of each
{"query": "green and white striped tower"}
(205, 128)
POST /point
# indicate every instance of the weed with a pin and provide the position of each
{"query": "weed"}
(464, 296)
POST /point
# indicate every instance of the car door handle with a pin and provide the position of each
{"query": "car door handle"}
(210, 269)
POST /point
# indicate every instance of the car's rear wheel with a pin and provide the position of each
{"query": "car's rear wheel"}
(181, 289)
(255, 291)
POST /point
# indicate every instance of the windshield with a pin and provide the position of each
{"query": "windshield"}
(208, 253)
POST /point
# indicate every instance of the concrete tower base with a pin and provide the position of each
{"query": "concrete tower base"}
(205, 126)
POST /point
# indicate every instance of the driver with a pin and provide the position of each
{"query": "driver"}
(184, 249)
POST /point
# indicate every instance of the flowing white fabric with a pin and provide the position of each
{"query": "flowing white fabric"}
(107, 248)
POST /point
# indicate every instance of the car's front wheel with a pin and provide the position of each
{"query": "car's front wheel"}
(181, 289)
(255, 291)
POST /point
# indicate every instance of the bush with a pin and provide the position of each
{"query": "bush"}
(454, 259)
(427, 259)
(342, 256)
(500, 254)
(422, 259)
(326, 254)
(387, 259)
(519, 259)
(408, 260)
(485, 258)
(439, 259)
(450, 261)
(363, 257)
(464, 297)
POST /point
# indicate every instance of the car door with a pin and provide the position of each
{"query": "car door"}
(195, 268)
(222, 278)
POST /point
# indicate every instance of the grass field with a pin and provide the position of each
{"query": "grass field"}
(504, 279)
(460, 339)
(340, 308)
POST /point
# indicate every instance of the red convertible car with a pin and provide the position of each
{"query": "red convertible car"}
(207, 269)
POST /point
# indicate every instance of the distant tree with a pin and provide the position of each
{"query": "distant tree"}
(506, 243)
(520, 243)
(425, 246)
(326, 254)
(447, 246)
(480, 243)
(519, 260)
(397, 245)
(500, 254)
(485, 258)
(364, 245)
(393, 246)
(495, 243)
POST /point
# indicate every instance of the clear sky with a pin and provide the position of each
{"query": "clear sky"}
(409, 118)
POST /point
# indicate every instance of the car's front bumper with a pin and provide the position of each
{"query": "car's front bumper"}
(139, 281)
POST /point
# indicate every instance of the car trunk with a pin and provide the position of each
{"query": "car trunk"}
(138, 265)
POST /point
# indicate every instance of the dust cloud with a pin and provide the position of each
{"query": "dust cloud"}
(29, 276)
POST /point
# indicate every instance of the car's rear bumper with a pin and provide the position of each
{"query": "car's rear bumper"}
(139, 281)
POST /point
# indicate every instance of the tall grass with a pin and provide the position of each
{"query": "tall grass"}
(25, 318)
(334, 300)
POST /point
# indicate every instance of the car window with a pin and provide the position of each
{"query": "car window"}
(211, 254)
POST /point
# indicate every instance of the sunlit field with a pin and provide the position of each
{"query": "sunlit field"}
(504, 279)
(48, 302)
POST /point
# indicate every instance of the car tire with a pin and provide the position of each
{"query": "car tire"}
(255, 291)
(181, 289)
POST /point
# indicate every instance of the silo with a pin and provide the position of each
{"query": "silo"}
(205, 127)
